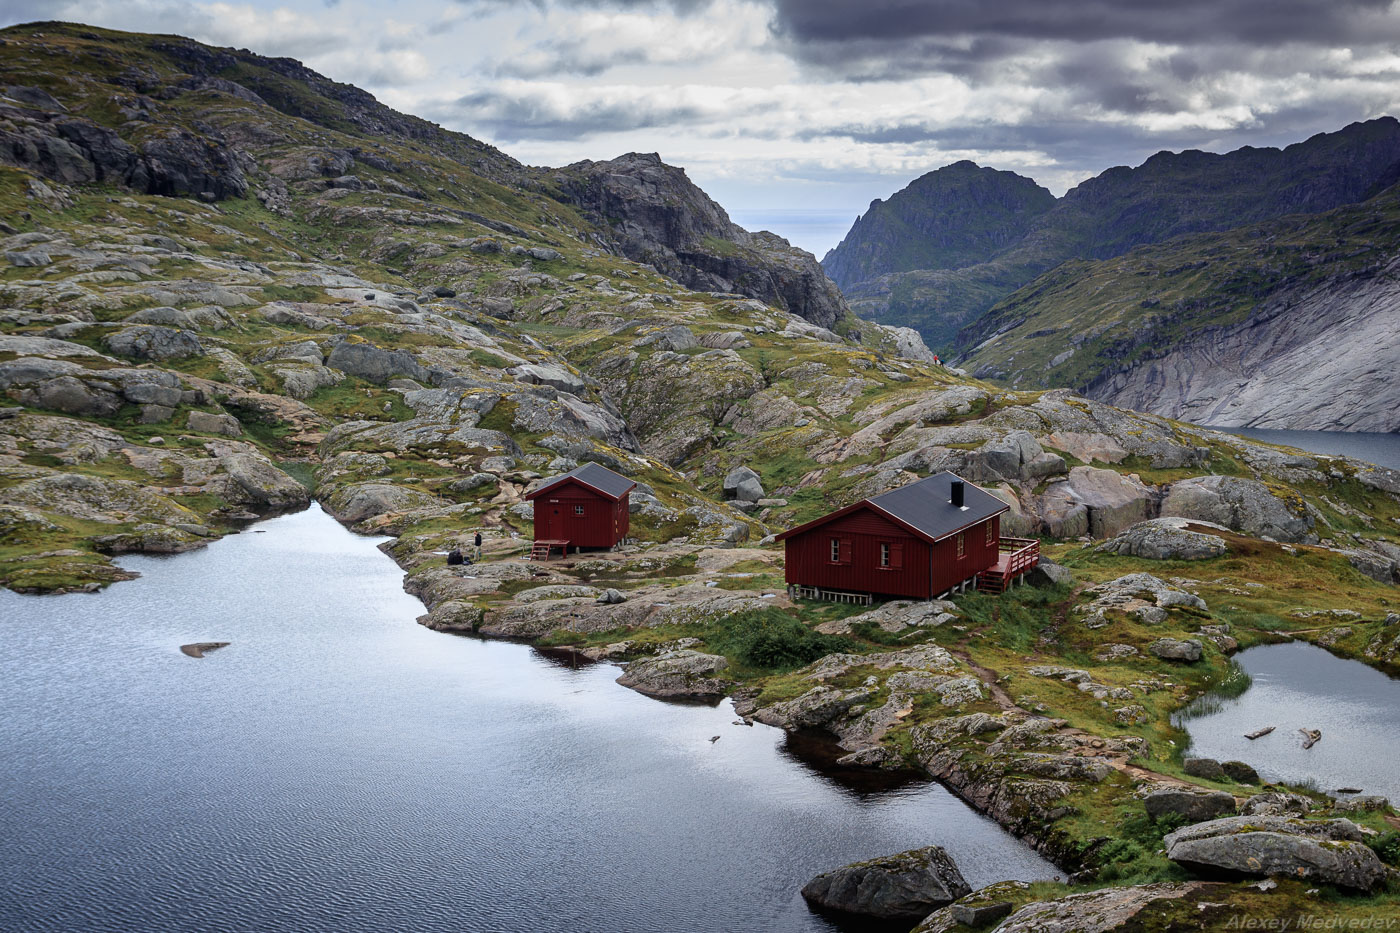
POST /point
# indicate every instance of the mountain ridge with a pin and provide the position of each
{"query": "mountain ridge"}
(1168, 195)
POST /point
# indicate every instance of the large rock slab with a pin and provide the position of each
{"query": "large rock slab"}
(677, 674)
(359, 501)
(1193, 805)
(1165, 539)
(1093, 912)
(906, 886)
(1325, 851)
(151, 342)
(1096, 502)
(1245, 505)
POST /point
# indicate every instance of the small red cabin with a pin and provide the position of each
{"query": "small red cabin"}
(918, 541)
(585, 507)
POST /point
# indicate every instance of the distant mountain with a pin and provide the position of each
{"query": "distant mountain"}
(1289, 323)
(957, 216)
(969, 269)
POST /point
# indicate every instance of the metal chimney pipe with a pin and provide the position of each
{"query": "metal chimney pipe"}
(957, 493)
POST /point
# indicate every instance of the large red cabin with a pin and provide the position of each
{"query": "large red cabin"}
(585, 507)
(919, 541)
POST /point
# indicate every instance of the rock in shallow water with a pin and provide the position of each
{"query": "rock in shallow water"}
(906, 886)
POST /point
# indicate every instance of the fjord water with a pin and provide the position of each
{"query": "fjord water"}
(340, 768)
(1380, 449)
(1300, 686)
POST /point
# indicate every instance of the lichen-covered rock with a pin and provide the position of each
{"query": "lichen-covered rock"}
(1245, 505)
(205, 422)
(375, 364)
(905, 886)
(253, 481)
(1094, 502)
(1326, 851)
(1276, 803)
(1174, 649)
(743, 484)
(1165, 539)
(107, 501)
(1092, 912)
(682, 673)
(1190, 804)
(150, 342)
(359, 501)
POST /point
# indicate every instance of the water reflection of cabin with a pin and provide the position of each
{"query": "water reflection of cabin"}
(927, 539)
(585, 507)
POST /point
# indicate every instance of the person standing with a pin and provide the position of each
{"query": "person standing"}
(477, 542)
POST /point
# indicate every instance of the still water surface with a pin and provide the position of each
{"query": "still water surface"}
(340, 768)
(1300, 686)
(1380, 449)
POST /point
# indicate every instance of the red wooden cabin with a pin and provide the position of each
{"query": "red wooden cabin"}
(919, 541)
(585, 507)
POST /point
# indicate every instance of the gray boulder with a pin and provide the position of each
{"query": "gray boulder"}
(1173, 649)
(1240, 772)
(1049, 573)
(1164, 539)
(151, 342)
(205, 422)
(1092, 912)
(1207, 768)
(682, 673)
(374, 364)
(1244, 505)
(550, 374)
(906, 886)
(1321, 851)
(743, 484)
(253, 481)
(1193, 805)
(611, 597)
(675, 338)
(1094, 502)
(359, 501)
(1276, 804)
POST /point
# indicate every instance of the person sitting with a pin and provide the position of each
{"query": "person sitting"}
(454, 557)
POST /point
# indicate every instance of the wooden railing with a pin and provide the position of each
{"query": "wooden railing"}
(1024, 553)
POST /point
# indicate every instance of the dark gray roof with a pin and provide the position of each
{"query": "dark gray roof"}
(610, 484)
(926, 505)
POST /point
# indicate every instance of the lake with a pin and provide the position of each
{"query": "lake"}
(338, 767)
(1300, 686)
(1380, 449)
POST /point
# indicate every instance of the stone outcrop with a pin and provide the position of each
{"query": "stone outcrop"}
(1322, 851)
(1166, 539)
(1092, 912)
(1095, 502)
(656, 215)
(1244, 505)
(678, 674)
(1189, 804)
(906, 886)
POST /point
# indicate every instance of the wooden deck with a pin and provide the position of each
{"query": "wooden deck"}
(544, 547)
(1014, 557)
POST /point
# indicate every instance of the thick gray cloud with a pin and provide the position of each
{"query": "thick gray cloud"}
(1318, 22)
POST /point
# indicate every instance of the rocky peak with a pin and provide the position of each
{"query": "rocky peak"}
(955, 216)
(653, 213)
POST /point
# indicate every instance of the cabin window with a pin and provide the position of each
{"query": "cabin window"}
(578, 510)
(962, 545)
(836, 550)
(884, 554)
(989, 532)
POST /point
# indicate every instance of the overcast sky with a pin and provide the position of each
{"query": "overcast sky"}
(794, 114)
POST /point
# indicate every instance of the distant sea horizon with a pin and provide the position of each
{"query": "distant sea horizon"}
(815, 230)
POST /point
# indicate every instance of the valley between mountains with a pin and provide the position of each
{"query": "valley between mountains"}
(230, 286)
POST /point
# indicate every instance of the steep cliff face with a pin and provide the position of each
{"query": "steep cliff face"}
(651, 212)
(959, 215)
(1169, 195)
(1319, 358)
(1287, 324)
